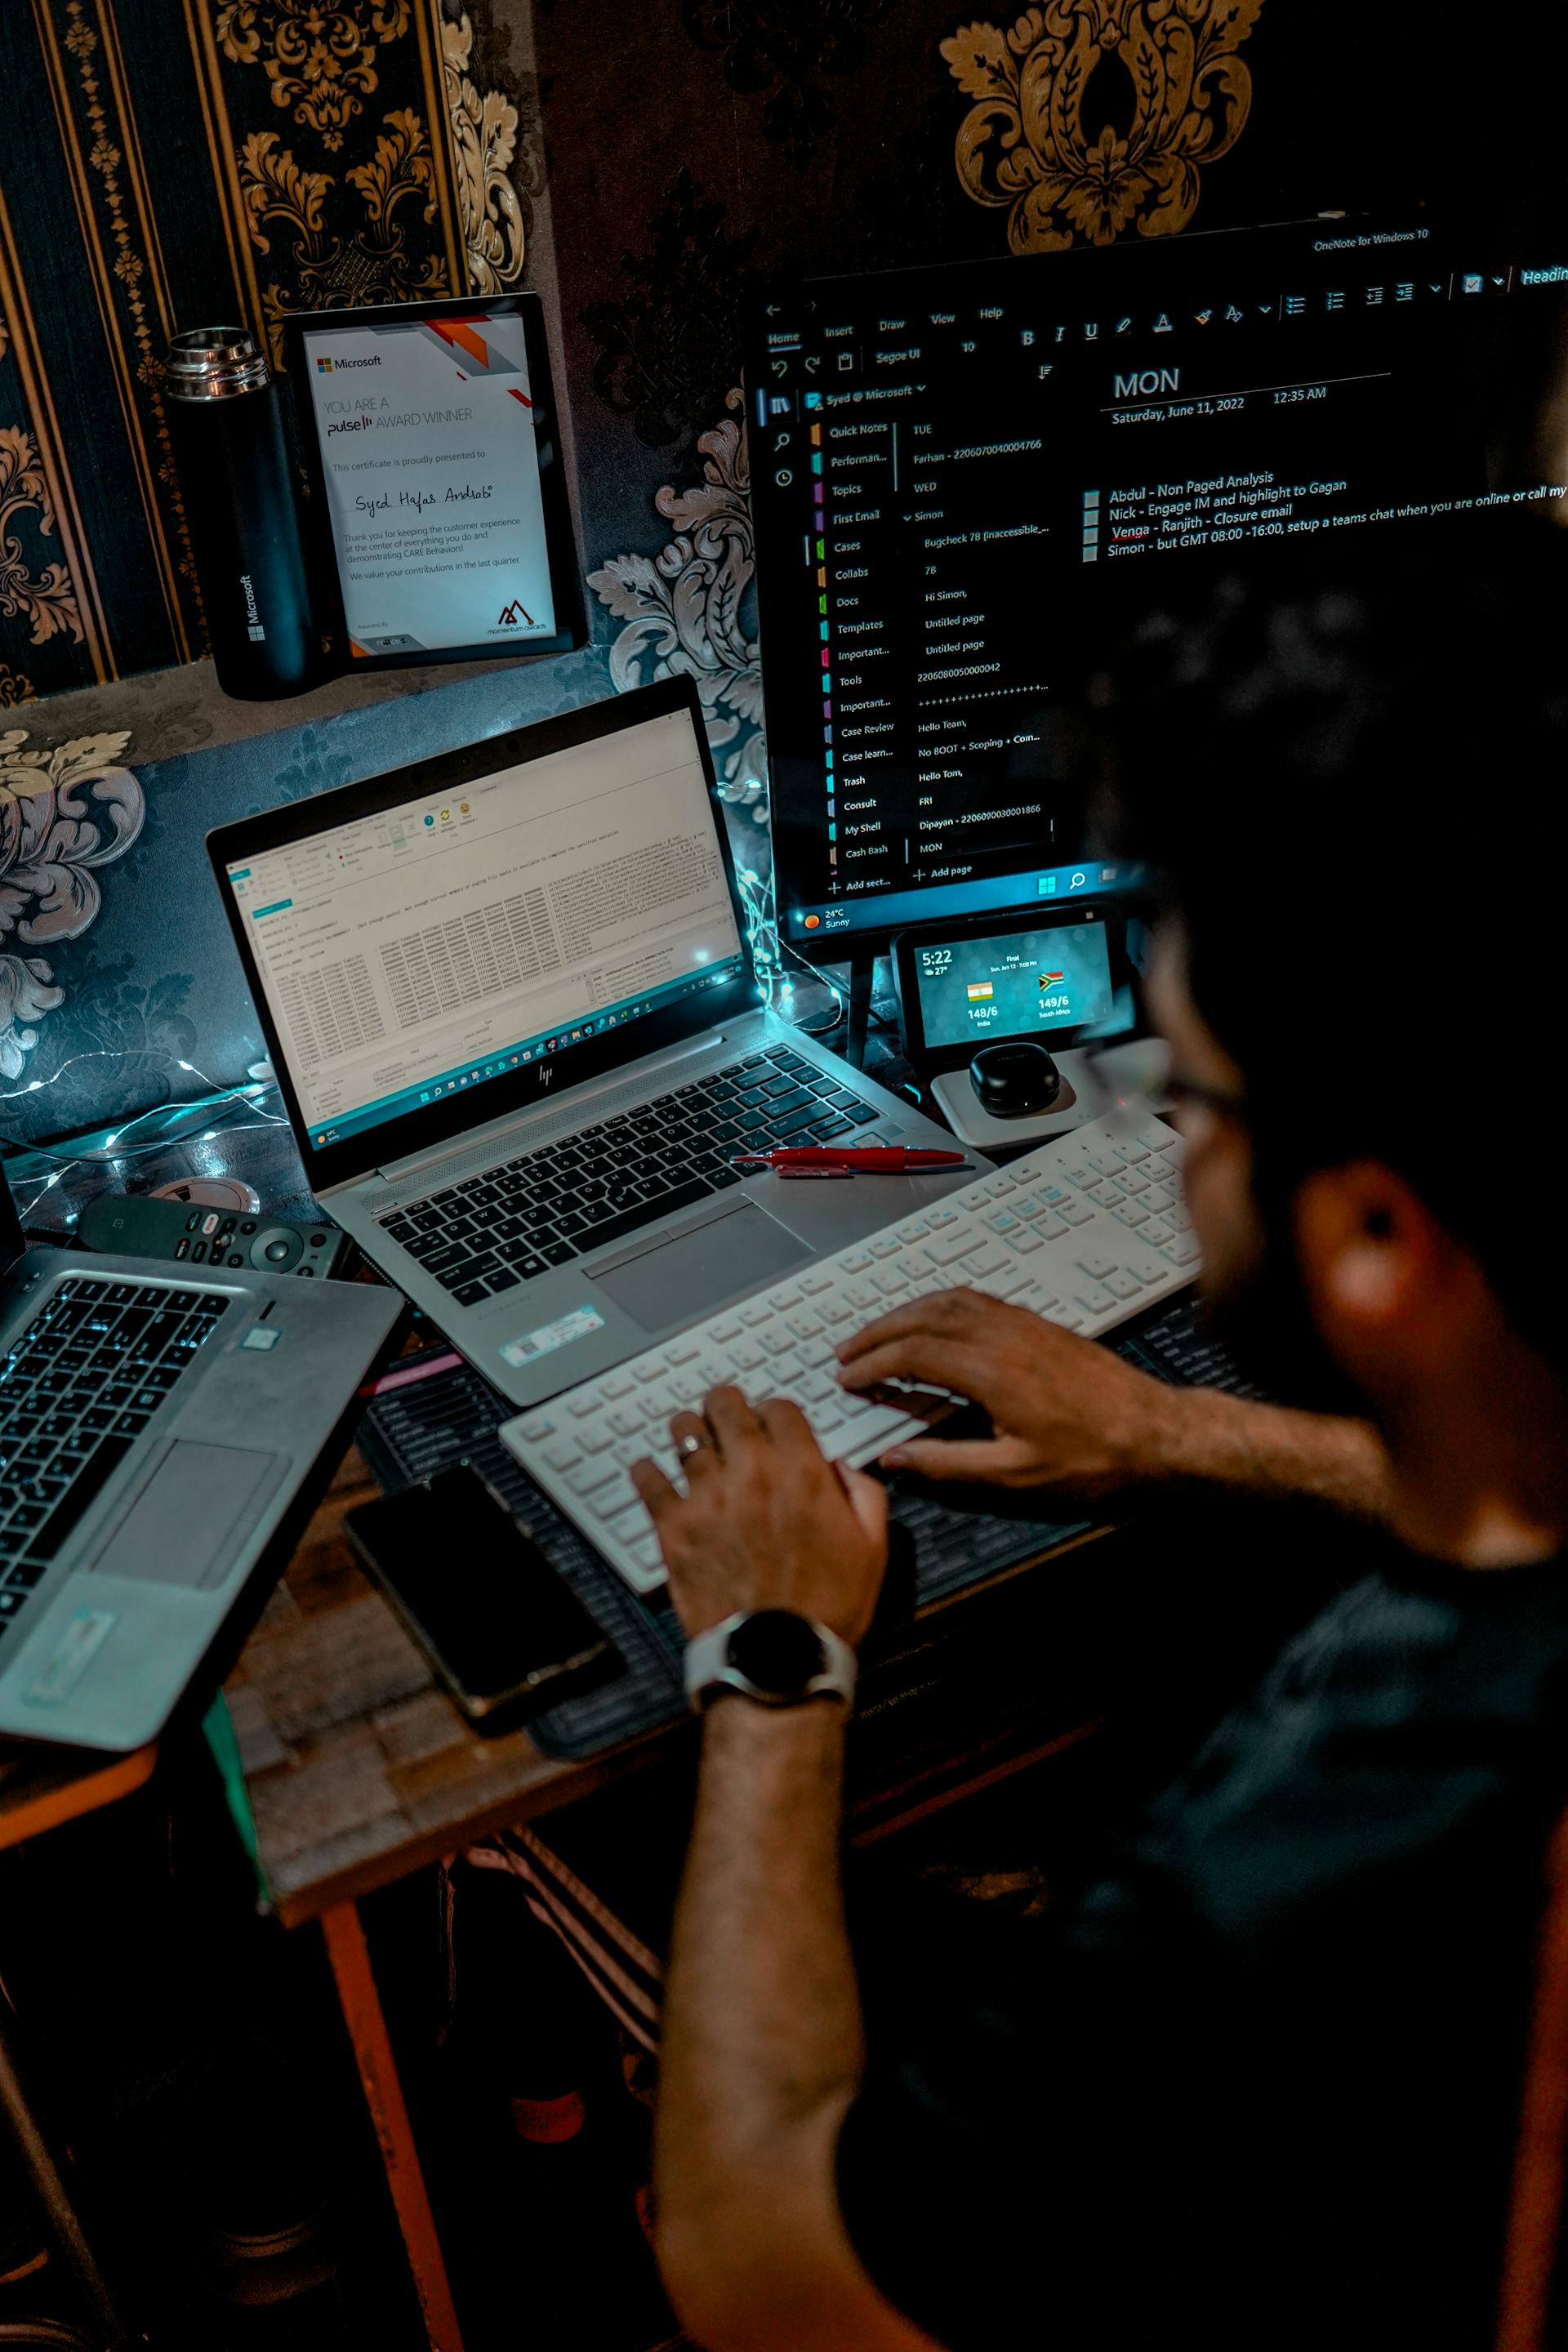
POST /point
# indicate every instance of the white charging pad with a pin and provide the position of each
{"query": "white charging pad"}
(1092, 1084)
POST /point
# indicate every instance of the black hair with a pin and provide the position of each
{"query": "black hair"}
(1355, 786)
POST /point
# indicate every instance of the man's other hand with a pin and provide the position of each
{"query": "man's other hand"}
(766, 1522)
(1064, 1413)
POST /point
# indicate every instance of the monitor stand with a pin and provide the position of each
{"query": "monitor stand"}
(862, 975)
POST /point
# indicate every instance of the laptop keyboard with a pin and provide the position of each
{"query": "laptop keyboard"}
(507, 1226)
(78, 1387)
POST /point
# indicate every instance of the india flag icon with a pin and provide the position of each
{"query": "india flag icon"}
(979, 991)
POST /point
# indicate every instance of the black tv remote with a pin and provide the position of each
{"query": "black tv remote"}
(193, 1234)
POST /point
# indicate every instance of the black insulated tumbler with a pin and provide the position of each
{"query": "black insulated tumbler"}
(225, 415)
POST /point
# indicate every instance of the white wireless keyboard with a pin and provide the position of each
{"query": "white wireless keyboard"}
(1086, 1232)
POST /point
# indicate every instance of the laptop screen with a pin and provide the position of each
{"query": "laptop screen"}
(437, 946)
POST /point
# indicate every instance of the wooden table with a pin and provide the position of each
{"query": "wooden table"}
(360, 1770)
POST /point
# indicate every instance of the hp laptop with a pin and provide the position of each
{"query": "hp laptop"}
(161, 1442)
(511, 1008)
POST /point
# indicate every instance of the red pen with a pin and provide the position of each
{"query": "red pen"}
(879, 1160)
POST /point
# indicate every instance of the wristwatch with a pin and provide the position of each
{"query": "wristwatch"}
(771, 1655)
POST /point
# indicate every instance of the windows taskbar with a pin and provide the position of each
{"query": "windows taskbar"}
(938, 902)
(465, 1074)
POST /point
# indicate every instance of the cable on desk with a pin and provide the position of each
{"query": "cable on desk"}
(218, 1104)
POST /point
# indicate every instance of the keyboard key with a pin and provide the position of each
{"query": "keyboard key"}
(615, 1228)
(468, 1294)
(83, 1491)
(614, 1496)
(953, 1244)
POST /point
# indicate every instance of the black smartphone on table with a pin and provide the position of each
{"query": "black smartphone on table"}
(504, 1632)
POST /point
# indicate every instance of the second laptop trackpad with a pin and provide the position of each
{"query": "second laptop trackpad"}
(186, 1524)
(687, 1278)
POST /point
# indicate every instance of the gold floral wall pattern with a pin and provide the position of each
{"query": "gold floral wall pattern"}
(44, 599)
(497, 177)
(1094, 118)
(320, 61)
(180, 162)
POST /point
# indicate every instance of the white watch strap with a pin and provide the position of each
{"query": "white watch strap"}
(707, 1667)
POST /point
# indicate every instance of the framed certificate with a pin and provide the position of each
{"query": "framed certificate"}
(431, 439)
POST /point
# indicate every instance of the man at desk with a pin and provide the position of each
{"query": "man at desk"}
(1261, 2079)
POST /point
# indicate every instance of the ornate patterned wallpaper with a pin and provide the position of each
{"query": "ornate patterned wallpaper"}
(1092, 117)
(177, 163)
(169, 162)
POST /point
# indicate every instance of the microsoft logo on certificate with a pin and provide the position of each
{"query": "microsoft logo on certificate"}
(510, 615)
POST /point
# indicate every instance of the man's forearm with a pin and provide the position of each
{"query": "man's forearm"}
(1203, 1438)
(762, 2047)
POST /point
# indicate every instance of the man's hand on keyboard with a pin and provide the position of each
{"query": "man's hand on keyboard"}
(766, 1522)
(1064, 1412)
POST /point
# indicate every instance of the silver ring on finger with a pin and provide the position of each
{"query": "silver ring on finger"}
(691, 1443)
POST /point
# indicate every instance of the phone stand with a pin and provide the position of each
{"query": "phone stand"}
(1091, 1089)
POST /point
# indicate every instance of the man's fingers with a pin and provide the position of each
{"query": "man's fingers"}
(654, 1490)
(944, 1314)
(787, 1426)
(701, 1456)
(729, 1418)
(975, 1461)
(939, 1363)
(868, 1500)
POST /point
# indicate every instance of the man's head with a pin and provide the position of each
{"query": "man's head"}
(1356, 791)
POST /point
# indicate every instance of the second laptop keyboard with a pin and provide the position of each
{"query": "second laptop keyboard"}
(1086, 1232)
(78, 1387)
(560, 1200)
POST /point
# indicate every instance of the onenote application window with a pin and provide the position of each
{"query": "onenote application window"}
(443, 942)
(968, 480)
(975, 990)
(426, 434)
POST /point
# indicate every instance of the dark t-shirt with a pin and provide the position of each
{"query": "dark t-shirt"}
(1261, 2081)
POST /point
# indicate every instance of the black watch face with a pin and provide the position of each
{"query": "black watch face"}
(777, 1652)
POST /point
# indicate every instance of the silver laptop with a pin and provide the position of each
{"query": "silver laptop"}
(161, 1441)
(512, 1010)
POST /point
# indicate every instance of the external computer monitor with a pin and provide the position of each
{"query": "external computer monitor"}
(967, 478)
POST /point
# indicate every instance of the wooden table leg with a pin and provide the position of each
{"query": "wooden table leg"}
(362, 2015)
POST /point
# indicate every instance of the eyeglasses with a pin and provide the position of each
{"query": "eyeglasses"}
(1149, 1091)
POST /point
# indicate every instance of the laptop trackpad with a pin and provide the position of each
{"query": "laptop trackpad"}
(683, 1279)
(186, 1525)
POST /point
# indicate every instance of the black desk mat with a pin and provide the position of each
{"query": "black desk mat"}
(436, 1411)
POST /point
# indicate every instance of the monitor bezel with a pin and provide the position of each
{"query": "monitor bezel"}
(554, 1080)
(861, 943)
(559, 536)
